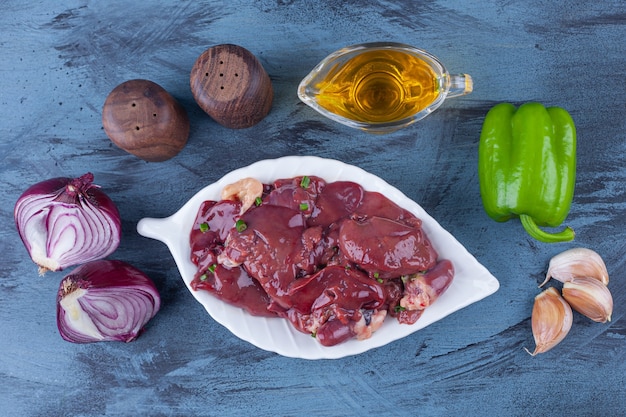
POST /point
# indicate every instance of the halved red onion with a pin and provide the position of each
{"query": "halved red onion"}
(105, 300)
(65, 222)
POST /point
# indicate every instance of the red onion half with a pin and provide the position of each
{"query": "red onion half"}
(65, 222)
(105, 300)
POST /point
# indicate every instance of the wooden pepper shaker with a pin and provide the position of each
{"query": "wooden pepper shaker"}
(229, 83)
(142, 118)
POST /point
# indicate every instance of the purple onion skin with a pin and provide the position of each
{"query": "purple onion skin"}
(109, 300)
(62, 209)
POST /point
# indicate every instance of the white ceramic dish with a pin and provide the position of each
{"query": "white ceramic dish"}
(472, 281)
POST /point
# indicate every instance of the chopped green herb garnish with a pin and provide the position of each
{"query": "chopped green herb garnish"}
(304, 206)
(204, 227)
(314, 335)
(399, 308)
(203, 277)
(240, 225)
(304, 183)
(376, 275)
(212, 268)
(380, 280)
(258, 201)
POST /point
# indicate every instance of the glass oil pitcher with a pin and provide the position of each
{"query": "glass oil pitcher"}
(380, 87)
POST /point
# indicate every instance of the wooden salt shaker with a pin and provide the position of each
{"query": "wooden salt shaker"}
(142, 118)
(229, 83)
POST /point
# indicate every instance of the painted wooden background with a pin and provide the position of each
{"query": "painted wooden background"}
(61, 59)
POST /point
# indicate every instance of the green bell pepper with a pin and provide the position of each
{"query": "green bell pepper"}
(527, 167)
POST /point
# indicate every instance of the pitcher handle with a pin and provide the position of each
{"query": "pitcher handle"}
(460, 85)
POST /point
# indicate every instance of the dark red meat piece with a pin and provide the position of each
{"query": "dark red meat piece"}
(271, 248)
(293, 194)
(377, 205)
(386, 247)
(421, 290)
(236, 287)
(341, 289)
(219, 218)
(331, 301)
(336, 201)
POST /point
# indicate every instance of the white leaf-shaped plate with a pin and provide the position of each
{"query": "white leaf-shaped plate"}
(472, 281)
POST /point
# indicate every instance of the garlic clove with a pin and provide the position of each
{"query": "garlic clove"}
(590, 298)
(551, 320)
(577, 262)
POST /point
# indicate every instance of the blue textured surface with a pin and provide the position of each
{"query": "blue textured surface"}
(60, 62)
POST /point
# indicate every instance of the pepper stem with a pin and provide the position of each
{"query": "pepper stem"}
(531, 227)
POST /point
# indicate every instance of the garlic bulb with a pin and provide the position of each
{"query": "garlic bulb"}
(551, 320)
(577, 262)
(590, 298)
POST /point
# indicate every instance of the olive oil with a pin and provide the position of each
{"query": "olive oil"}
(378, 86)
